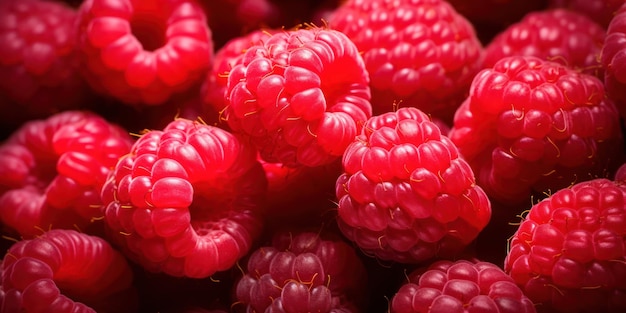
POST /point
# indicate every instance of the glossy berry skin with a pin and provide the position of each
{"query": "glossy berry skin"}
(568, 254)
(142, 52)
(300, 96)
(52, 170)
(460, 286)
(600, 11)
(65, 271)
(302, 272)
(419, 53)
(614, 59)
(186, 200)
(406, 194)
(530, 126)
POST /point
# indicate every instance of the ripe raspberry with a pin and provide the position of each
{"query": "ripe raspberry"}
(557, 35)
(52, 170)
(301, 96)
(406, 195)
(303, 272)
(614, 60)
(185, 201)
(460, 286)
(530, 126)
(568, 254)
(66, 271)
(419, 53)
(142, 52)
(600, 11)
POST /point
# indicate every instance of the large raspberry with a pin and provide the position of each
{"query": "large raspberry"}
(52, 170)
(301, 96)
(143, 51)
(419, 53)
(530, 126)
(600, 11)
(66, 271)
(569, 252)
(460, 286)
(614, 59)
(186, 200)
(406, 194)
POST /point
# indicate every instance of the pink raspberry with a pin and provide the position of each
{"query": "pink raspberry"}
(568, 254)
(143, 51)
(600, 11)
(66, 271)
(52, 170)
(300, 96)
(186, 200)
(406, 194)
(530, 126)
(614, 59)
(419, 53)
(460, 286)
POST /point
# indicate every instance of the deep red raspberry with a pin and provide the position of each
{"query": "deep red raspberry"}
(406, 194)
(569, 252)
(303, 272)
(52, 170)
(558, 35)
(186, 200)
(460, 286)
(66, 271)
(301, 96)
(143, 51)
(419, 53)
(530, 126)
(601, 11)
(614, 60)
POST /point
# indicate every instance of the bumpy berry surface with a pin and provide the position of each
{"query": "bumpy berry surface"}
(52, 170)
(601, 11)
(300, 96)
(614, 60)
(142, 51)
(303, 272)
(186, 200)
(406, 194)
(460, 286)
(65, 271)
(530, 126)
(419, 53)
(568, 254)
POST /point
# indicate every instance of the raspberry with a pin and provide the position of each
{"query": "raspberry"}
(460, 286)
(302, 272)
(66, 271)
(568, 252)
(142, 52)
(186, 200)
(530, 126)
(301, 96)
(406, 194)
(419, 53)
(614, 59)
(52, 170)
(557, 35)
(601, 11)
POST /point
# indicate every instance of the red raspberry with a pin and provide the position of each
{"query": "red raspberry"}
(300, 96)
(52, 170)
(601, 11)
(530, 126)
(143, 51)
(406, 194)
(185, 201)
(568, 254)
(614, 60)
(557, 35)
(419, 53)
(460, 286)
(66, 271)
(303, 272)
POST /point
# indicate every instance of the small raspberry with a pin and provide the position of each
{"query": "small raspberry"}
(300, 96)
(419, 53)
(186, 200)
(52, 170)
(143, 51)
(568, 254)
(614, 60)
(66, 271)
(406, 194)
(530, 126)
(460, 286)
(600, 11)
